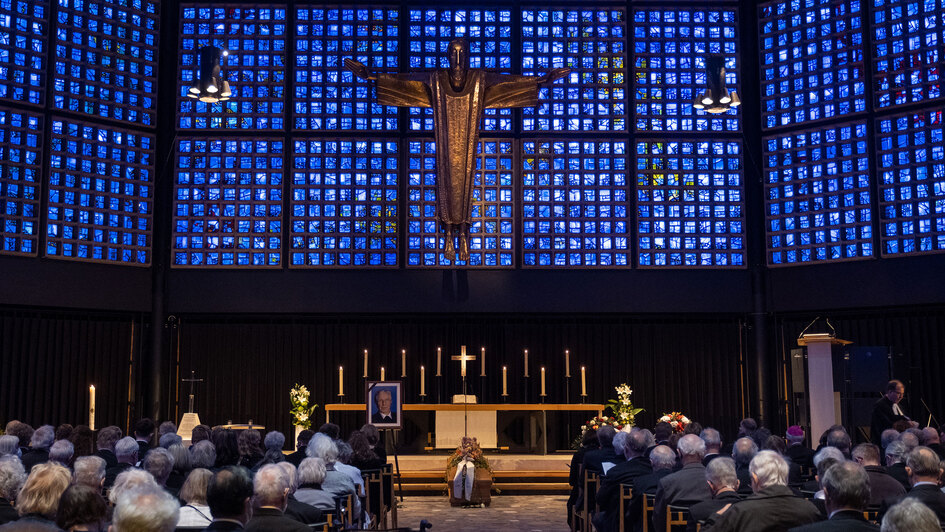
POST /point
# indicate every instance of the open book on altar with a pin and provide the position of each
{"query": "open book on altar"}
(460, 399)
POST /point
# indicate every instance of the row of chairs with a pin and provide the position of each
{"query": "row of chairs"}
(677, 517)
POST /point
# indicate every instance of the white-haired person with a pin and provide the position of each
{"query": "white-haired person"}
(159, 463)
(89, 471)
(270, 496)
(61, 452)
(686, 486)
(771, 506)
(126, 453)
(311, 477)
(203, 455)
(10, 445)
(925, 470)
(131, 479)
(40, 442)
(180, 470)
(910, 515)
(847, 493)
(336, 482)
(145, 509)
(296, 509)
(12, 477)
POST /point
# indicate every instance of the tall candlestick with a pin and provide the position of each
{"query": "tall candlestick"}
(403, 362)
(505, 380)
(526, 362)
(423, 381)
(341, 380)
(382, 372)
(543, 380)
(583, 382)
(92, 407)
(439, 352)
(567, 364)
(365, 364)
(482, 362)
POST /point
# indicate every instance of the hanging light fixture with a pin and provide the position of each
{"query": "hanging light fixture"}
(209, 85)
(716, 98)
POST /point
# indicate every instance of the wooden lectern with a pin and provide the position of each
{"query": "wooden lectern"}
(820, 392)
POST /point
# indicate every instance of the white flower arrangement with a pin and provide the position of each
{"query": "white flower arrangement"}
(301, 411)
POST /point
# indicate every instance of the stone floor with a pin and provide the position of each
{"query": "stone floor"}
(545, 513)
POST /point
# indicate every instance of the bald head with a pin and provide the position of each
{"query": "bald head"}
(662, 457)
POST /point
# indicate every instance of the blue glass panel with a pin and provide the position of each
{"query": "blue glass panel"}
(101, 194)
(255, 39)
(21, 139)
(690, 204)
(490, 233)
(344, 203)
(817, 195)
(592, 42)
(106, 59)
(325, 95)
(228, 203)
(575, 204)
(23, 50)
(670, 47)
(907, 51)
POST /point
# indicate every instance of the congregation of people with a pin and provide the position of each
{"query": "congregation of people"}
(73, 479)
(760, 482)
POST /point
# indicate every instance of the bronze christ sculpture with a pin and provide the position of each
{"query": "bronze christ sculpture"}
(457, 95)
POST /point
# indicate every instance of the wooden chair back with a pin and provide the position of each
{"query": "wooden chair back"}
(676, 516)
(626, 493)
(871, 514)
(649, 502)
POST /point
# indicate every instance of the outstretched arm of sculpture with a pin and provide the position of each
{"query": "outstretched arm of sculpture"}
(553, 75)
(518, 91)
(399, 90)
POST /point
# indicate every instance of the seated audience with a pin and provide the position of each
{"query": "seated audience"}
(337, 482)
(251, 453)
(182, 467)
(170, 439)
(145, 510)
(626, 472)
(882, 485)
(363, 456)
(910, 515)
(895, 463)
(168, 427)
(663, 460)
(202, 454)
(193, 493)
(686, 486)
(723, 483)
(23, 433)
(270, 493)
(799, 452)
(144, 433)
(776, 444)
(295, 509)
(575, 472)
(40, 441)
(742, 453)
(89, 471)
(82, 509)
(924, 470)
(602, 459)
(10, 445)
(61, 452)
(131, 480)
(713, 444)
(847, 493)
(374, 438)
(159, 463)
(331, 430)
(311, 475)
(822, 454)
(83, 439)
(126, 453)
(771, 506)
(934, 441)
(105, 443)
(298, 455)
(12, 477)
(226, 443)
(661, 433)
(841, 440)
(910, 440)
(229, 496)
(64, 432)
(273, 442)
(888, 436)
(199, 433)
(38, 500)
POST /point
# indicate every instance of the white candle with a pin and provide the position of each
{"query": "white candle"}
(482, 362)
(382, 372)
(583, 382)
(567, 364)
(505, 380)
(403, 362)
(543, 380)
(92, 407)
(423, 378)
(526, 362)
(439, 352)
(341, 380)
(365, 364)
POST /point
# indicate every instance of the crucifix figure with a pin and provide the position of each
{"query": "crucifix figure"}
(191, 380)
(457, 95)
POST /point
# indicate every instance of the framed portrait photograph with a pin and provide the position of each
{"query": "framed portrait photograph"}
(384, 404)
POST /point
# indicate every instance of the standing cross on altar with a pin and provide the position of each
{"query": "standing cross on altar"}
(463, 357)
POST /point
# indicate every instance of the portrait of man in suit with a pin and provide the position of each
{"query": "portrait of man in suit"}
(384, 405)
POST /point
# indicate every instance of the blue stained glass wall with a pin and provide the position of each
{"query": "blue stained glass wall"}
(255, 39)
(101, 193)
(575, 205)
(344, 203)
(21, 143)
(489, 34)
(106, 59)
(670, 47)
(817, 195)
(328, 97)
(907, 50)
(911, 173)
(690, 204)
(491, 237)
(811, 60)
(592, 42)
(228, 203)
(23, 41)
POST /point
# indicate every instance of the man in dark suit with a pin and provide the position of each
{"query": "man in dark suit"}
(713, 444)
(886, 411)
(625, 472)
(934, 441)
(40, 442)
(126, 452)
(743, 451)
(595, 460)
(924, 469)
(846, 493)
(105, 442)
(302, 442)
(144, 431)
(798, 451)
(663, 459)
(383, 399)
(686, 486)
(229, 496)
(720, 475)
(896, 465)
(882, 485)
(271, 493)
